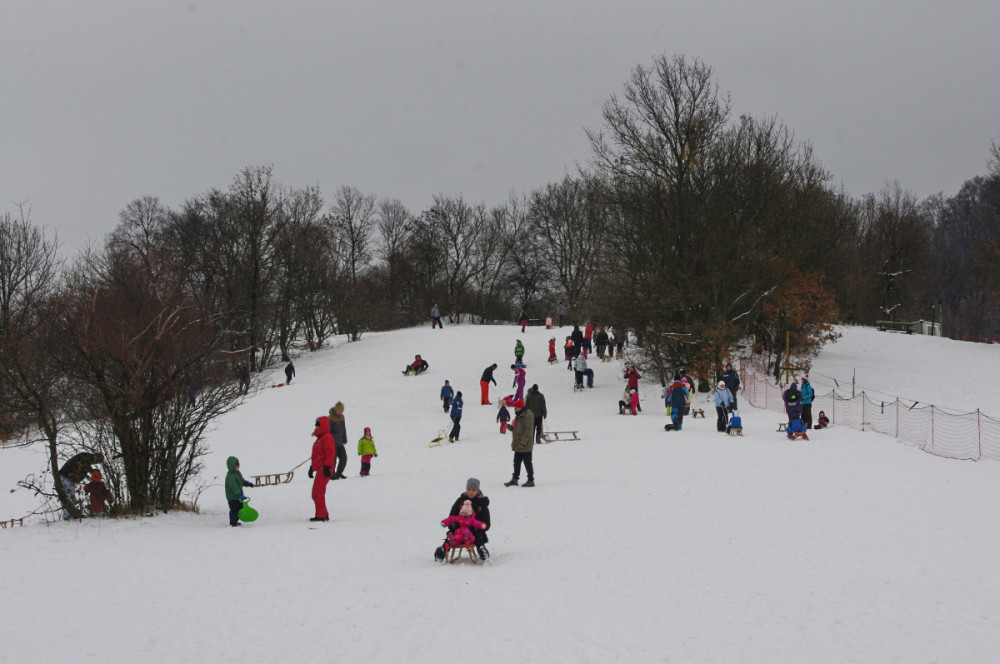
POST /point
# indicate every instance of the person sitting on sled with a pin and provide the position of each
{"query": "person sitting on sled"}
(419, 366)
(461, 527)
(480, 510)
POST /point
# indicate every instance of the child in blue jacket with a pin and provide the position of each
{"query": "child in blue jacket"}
(446, 394)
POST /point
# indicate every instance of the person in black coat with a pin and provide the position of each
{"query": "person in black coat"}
(481, 510)
(732, 381)
(289, 372)
(577, 337)
(793, 402)
(75, 471)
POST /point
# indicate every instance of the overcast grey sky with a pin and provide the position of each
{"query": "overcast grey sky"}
(107, 101)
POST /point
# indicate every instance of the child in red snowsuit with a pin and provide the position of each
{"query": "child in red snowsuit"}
(324, 456)
(552, 351)
(462, 536)
(98, 492)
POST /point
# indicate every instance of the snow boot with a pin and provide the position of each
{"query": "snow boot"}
(439, 554)
(513, 482)
(484, 554)
(529, 483)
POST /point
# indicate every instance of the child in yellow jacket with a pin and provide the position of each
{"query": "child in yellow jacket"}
(366, 450)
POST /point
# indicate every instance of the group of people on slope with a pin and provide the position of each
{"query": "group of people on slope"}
(329, 456)
(798, 407)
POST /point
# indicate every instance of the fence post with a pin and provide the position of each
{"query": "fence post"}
(979, 434)
(932, 427)
(897, 417)
(833, 419)
(864, 398)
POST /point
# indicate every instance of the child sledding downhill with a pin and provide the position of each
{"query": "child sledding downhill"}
(480, 505)
(461, 535)
(418, 366)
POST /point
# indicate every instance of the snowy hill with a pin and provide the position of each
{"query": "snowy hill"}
(636, 544)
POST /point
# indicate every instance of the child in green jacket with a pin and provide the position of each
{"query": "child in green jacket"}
(366, 450)
(234, 490)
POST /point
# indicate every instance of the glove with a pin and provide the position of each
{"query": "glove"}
(310, 473)
(326, 471)
(444, 525)
(241, 497)
(245, 483)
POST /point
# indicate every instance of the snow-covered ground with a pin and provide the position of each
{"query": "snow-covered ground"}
(636, 544)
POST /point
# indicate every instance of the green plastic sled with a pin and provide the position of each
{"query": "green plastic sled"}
(247, 513)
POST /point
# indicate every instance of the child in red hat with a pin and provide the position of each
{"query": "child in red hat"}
(98, 492)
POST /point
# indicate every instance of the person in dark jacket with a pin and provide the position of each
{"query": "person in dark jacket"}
(484, 384)
(523, 319)
(732, 381)
(244, 378)
(324, 455)
(535, 402)
(338, 429)
(446, 394)
(481, 510)
(456, 417)
(234, 490)
(75, 471)
(677, 399)
(601, 341)
(793, 402)
(522, 444)
(289, 372)
(577, 337)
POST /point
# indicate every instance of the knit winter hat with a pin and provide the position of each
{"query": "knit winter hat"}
(368, 432)
(466, 508)
(722, 384)
(96, 476)
(446, 382)
(472, 483)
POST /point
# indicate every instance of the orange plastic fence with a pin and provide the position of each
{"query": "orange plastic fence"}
(957, 436)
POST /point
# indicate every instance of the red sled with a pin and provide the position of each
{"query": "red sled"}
(279, 385)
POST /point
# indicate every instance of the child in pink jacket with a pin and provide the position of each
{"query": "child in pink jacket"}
(462, 535)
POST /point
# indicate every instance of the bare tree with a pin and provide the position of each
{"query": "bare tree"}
(567, 221)
(31, 382)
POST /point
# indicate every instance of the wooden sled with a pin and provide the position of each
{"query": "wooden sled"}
(12, 523)
(578, 387)
(797, 435)
(735, 432)
(273, 478)
(782, 425)
(442, 437)
(456, 553)
(697, 412)
(553, 436)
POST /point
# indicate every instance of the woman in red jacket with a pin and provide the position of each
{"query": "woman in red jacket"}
(324, 455)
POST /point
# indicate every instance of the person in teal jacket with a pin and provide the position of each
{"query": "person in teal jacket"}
(234, 490)
(807, 402)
